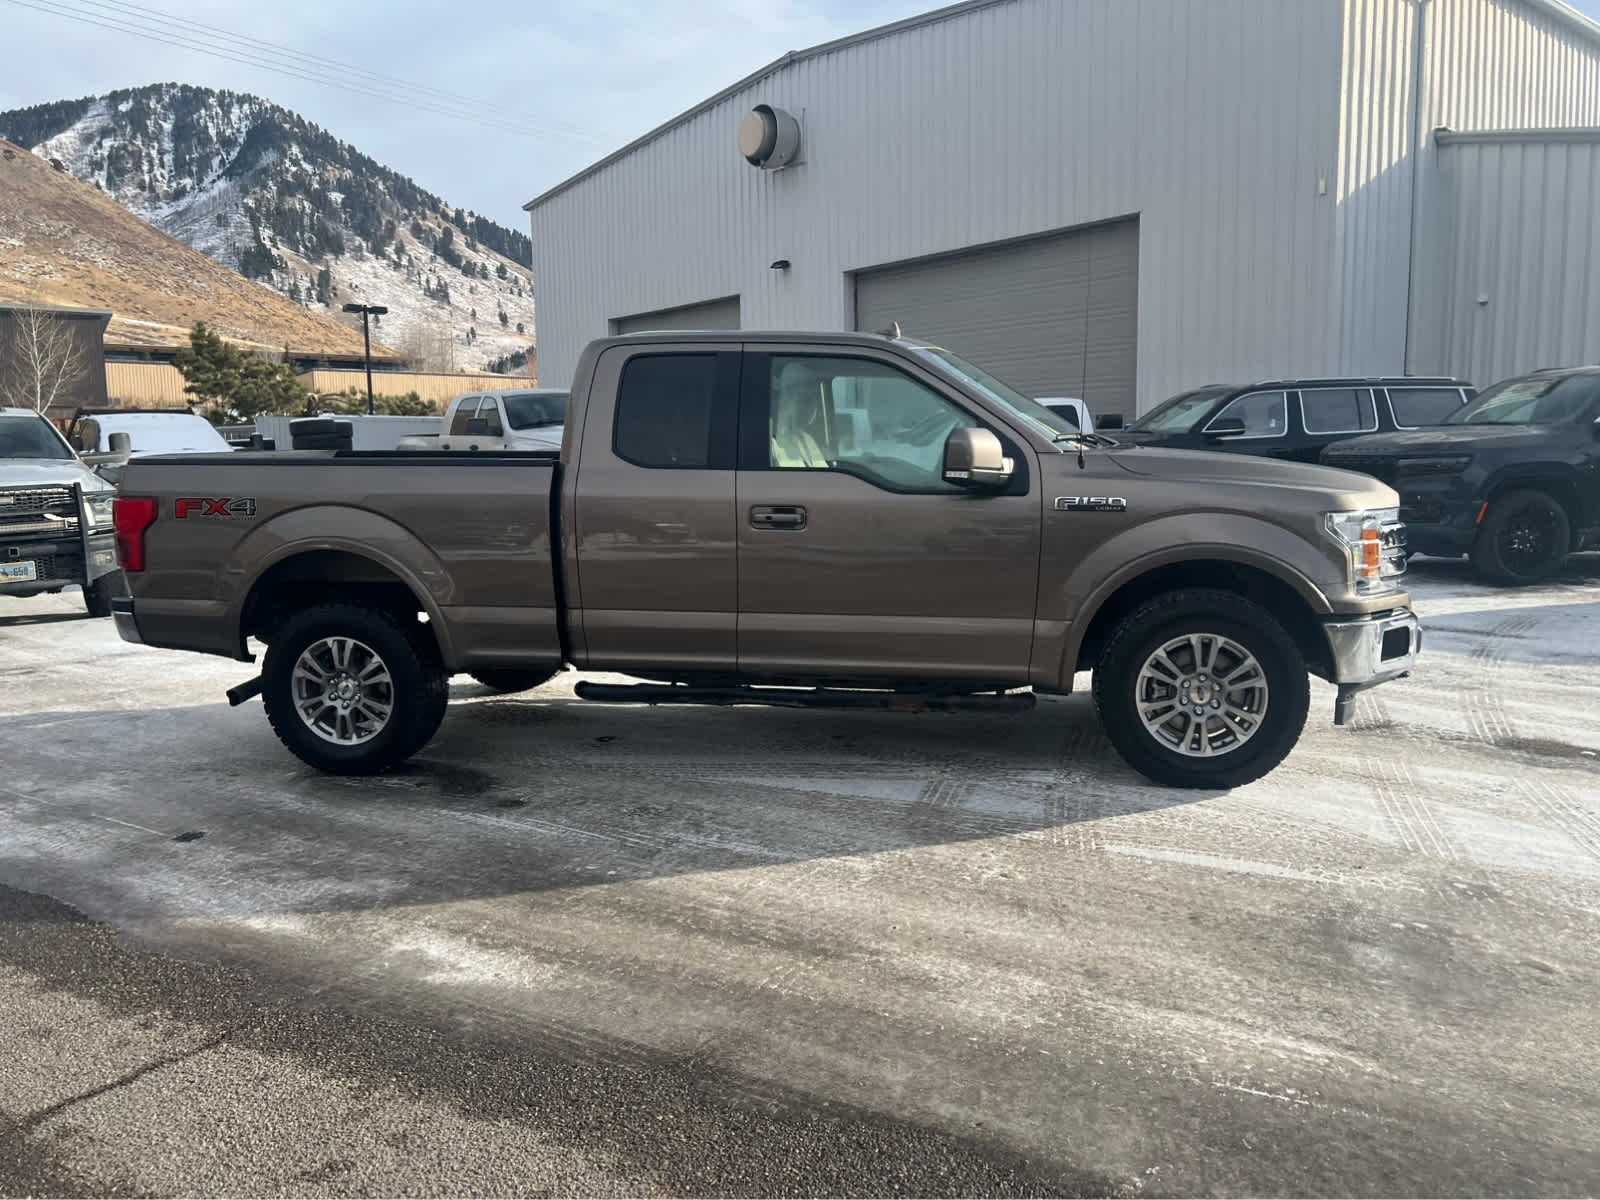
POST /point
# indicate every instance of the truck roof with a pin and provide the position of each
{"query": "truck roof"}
(835, 337)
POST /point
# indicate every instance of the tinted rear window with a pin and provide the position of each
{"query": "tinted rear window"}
(1414, 407)
(1338, 410)
(664, 406)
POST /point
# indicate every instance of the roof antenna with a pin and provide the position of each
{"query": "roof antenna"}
(892, 332)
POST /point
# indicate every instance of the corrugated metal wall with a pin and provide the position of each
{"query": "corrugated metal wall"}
(1213, 123)
(1521, 286)
(1487, 64)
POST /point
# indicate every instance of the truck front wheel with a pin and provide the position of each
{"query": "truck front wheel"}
(1202, 689)
(353, 690)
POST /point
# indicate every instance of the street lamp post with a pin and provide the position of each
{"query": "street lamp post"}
(367, 311)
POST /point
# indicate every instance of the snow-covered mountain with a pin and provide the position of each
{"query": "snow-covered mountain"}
(260, 189)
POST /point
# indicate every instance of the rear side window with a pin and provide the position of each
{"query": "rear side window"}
(465, 412)
(1261, 412)
(664, 407)
(1339, 410)
(1415, 407)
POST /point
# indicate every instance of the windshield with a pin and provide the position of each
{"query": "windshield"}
(1053, 424)
(1533, 400)
(528, 410)
(1179, 413)
(32, 437)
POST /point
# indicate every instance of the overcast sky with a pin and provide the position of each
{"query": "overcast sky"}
(584, 76)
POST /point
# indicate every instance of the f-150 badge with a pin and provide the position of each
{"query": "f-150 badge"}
(1091, 504)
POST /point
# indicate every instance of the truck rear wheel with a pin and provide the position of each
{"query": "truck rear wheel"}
(353, 690)
(1524, 538)
(514, 679)
(1202, 689)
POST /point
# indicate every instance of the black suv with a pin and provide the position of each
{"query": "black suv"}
(1294, 418)
(1513, 479)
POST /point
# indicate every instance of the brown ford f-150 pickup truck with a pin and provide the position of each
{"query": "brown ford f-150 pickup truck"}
(790, 518)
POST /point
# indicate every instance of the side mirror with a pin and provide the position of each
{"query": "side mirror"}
(120, 443)
(974, 458)
(1109, 421)
(1227, 427)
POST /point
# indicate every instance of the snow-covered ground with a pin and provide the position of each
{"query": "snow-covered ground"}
(1372, 971)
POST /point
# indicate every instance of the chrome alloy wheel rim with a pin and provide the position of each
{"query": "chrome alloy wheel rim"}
(342, 691)
(1201, 695)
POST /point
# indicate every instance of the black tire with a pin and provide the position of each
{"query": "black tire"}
(1524, 538)
(417, 691)
(514, 679)
(1279, 690)
(98, 595)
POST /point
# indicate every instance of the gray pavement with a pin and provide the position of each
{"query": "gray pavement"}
(587, 949)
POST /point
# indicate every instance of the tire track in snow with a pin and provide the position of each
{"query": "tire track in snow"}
(1564, 810)
(1485, 710)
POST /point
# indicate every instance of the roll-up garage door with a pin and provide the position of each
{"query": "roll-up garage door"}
(1052, 316)
(712, 314)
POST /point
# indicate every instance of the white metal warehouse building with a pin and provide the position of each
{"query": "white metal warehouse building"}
(1118, 199)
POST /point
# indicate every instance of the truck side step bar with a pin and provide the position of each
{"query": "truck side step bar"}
(788, 697)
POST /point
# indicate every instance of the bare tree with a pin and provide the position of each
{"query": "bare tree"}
(41, 361)
(427, 349)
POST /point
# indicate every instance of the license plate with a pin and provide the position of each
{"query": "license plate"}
(17, 572)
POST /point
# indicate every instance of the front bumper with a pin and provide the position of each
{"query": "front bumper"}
(59, 562)
(1371, 650)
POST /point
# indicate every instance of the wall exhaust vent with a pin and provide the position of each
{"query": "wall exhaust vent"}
(769, 138)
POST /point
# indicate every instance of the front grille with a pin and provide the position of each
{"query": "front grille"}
(38, 512)
(37, 500)
(1382, 469)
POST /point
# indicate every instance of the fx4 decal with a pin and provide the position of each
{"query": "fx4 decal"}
(1091, 504)
(228, 508)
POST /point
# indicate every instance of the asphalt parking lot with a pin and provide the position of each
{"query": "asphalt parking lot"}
(587, 949)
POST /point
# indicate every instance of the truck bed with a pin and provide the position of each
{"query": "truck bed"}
(468, 533)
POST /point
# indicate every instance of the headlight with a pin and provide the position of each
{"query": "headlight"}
(1375, 541)
(1441, 464)
(99, 506)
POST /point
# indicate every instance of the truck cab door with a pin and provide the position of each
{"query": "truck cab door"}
(856, 559)
(652, 552)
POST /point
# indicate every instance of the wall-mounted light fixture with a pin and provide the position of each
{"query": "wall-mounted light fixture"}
(781, 264)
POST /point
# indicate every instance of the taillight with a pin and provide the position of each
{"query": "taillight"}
(130, 517)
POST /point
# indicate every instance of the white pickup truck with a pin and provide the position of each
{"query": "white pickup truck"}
(518, 419)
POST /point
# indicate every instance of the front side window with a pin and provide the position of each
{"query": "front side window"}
(1339, 410)
(1261, 412)
(664, 409)
(862, 417)
(1414, 408)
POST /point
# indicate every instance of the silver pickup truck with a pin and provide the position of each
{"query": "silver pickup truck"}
(781, 518)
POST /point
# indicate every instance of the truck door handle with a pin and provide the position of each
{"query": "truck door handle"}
(778, 516)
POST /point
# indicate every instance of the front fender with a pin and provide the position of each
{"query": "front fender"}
(360, 532)
(1232, 538)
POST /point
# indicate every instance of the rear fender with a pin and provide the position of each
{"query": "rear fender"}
(361, 533)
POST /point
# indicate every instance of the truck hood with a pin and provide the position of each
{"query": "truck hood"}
(37, 472)
(546, 437)
(1448, 439)
(1204, 466)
